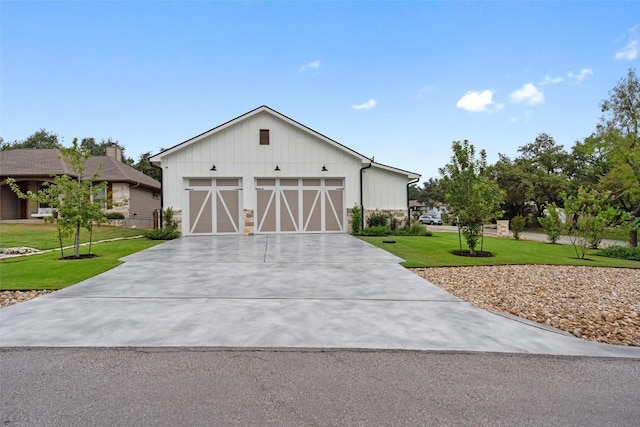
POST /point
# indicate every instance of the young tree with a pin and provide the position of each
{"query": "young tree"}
(588, 213)
(552, 223)
(75, 198)
(469, 192)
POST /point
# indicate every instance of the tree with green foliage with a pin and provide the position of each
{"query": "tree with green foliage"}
(552, 223)
(588, 213)
(145, 166)
(75, 197)
(616, 142)
(512, 176)
(100, 148)
(470, 193)
(431, 193)
(39, 139)
(544, 163)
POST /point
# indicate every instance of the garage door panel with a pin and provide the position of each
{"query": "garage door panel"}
(227, 207)
(312, 210)
(302, 205)
(200, 211)
(266, 210)
(333, 210)
(289, 210)
(215, 206)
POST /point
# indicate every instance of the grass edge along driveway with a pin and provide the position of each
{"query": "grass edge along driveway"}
(48, 271)
(435, 251)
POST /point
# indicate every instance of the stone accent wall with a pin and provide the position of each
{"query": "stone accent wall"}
(249, 225)
(120, 198)
(503, 228)
(399, 214)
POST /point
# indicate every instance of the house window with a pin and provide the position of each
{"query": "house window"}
(104, 197)
(264, 136)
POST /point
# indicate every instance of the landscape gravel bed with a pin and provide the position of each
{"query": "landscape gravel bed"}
(596, 304)
(14, 297)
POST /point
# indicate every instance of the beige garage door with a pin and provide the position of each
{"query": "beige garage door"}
(215, 206)
(300, 205)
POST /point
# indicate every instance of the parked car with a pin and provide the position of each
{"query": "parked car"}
(428, 219)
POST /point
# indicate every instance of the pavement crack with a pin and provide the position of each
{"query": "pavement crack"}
(266, 246)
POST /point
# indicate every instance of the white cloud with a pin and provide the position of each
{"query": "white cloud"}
(528, 94)
(366, 106)
(476, 102)
(548, 80)
(422, 91)
(630, 51)
(313, 64)
(582, 75)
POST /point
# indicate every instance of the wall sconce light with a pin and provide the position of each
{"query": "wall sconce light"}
(213, 168)
(277, 168)
(324, 168)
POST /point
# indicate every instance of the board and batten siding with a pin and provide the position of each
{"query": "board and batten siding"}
(235, 151)
(384, 190)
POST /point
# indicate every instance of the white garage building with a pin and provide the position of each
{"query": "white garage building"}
(263, 172)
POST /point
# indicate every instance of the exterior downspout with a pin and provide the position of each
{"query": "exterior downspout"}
(161, 193)
(409, 207)
(361, 194)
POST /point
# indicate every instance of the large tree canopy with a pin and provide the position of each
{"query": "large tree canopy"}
(39, 139)
(616, 142)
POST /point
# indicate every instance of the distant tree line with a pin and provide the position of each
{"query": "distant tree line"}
(44, 139)
(545, 174)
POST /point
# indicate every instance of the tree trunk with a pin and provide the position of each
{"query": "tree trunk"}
(633, 234)
(76, 242)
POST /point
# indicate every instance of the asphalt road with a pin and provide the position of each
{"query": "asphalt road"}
(198, 387)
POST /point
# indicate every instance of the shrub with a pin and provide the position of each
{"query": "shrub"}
(518, 223)
(356, 220)
(115, 215)
(376, 230)
(552, 223)
(623, 252)
(377, 219)
(417, 229)
(169, 230)
(393, 222)
(161, 234)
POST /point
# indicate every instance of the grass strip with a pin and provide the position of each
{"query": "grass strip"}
(435, 251)
(47, 271)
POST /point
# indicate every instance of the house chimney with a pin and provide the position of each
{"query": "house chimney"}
(114, 152)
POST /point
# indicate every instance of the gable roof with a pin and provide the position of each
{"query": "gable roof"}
(44, 162)
(156, 159)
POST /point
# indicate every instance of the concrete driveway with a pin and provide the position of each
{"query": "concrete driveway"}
(277, 291)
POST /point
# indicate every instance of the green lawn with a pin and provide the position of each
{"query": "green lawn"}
(45, 236)
(48, 271)
(435, 251)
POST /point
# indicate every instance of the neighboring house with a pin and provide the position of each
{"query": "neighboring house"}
(129, 191)
(263, 172)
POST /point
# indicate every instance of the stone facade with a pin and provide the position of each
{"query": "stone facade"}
(249, 225)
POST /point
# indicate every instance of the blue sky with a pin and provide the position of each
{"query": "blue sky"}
(396, 80)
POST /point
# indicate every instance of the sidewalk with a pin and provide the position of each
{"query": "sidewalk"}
(527, 235)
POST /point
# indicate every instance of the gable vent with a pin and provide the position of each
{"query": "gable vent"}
(264, 136)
